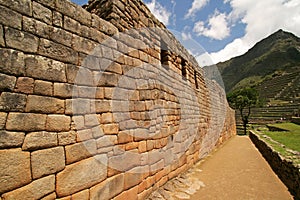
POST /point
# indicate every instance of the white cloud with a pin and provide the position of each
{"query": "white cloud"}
(196, 6)
(217, 29)
(262, 18)
(160, 12)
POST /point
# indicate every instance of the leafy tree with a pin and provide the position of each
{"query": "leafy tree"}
(243, 100)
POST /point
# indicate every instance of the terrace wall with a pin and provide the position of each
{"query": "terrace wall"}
(89, 112)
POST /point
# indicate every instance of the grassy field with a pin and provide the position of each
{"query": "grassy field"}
(289, 138)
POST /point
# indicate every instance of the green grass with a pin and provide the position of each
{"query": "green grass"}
(289, 138)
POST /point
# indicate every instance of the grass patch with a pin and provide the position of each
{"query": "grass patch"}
(289, 138)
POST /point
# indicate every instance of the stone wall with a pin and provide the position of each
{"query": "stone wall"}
(89, 112)
(286, 170)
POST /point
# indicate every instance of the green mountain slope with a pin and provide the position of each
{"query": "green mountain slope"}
(278, 53)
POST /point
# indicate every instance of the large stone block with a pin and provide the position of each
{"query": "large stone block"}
(2, 43)
(42, 13)
(9, 17)
(81, 175)
(43, 104)
(58, 123)
(21, 40)
(14, 169)
(57, 51)
(11, 139)
(71, 25)
(12, 102)
(45, 68)
(7, 83)
(131, 194)
(61, 36)
(103, 26)
(78, 106)
(26, 122)
(12, 62)
(108, 188)
(35, 190)
(3, 117)
(83, 195)
(66, 138)
(36, 27)
(39, 140)
(43, 88)
(47, 161)
(22, 6)
(24, 85)
(80, 151)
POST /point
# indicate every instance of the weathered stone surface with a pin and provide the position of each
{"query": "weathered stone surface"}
(43, 104)
(21, 40)
(91, 120)
(108, 188)
(35, 190)
(64, 90)
(10, 18)
(2, 43)
(39, 140)
(12, 102)
(26, 122)
(103, 25)
(24, 85)
(47, 161)
(83, 195)
(61, 36)
(78, 106)
(45, 68)
(80, 151)
(12, 62)
(50, 196)
(57, 51)
(57, 19)
(3, 117)
(90, 172)
(42, 13)
(71, 25)
(83, 45)
(36, 27)
(102, 106)
(11, 139)
(7, 83)
(110, 128)
(15, 169)
(66, 138)
(133, 177)
(131, 194)
(43, 88)
(22, 6)
(58, 123)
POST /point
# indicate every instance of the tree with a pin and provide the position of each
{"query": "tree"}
(243, 100)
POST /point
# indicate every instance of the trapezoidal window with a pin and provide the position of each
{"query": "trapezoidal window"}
(196, 79)
(183, 69)
(164, 54)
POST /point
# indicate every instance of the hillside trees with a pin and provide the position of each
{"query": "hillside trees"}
(243, 100)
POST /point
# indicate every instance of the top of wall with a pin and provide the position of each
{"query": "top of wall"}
(134, 14)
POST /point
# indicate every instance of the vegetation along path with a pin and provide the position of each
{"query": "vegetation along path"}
(238, 171)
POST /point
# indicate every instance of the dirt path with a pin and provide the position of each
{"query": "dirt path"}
(238, 171)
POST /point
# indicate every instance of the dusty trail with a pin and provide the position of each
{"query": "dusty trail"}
(238, 171)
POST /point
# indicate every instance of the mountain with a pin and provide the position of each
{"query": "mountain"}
(277, 54)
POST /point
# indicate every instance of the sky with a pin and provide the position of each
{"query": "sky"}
(223, 29)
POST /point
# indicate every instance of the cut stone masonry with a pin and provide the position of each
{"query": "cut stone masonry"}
(100, 102)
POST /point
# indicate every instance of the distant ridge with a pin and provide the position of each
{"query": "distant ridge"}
(279, 53)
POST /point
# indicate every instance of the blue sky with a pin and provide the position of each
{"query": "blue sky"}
(224, 28)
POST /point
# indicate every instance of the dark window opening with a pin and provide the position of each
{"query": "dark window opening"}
(183, 69)
(196, 79)
(164, 54)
